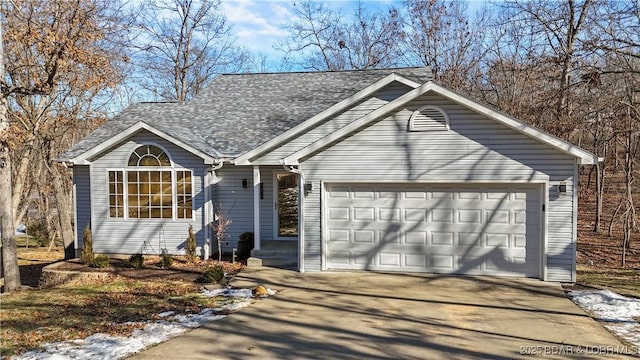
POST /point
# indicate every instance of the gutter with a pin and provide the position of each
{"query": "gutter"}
(301, 196)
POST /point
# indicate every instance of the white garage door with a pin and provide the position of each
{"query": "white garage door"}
(433, 228)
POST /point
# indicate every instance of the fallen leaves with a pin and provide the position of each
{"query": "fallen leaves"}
(114, 306)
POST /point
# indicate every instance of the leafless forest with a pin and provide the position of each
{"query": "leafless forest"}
(571, 68)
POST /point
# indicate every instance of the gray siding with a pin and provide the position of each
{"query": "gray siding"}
(476, 149)
(235, 202)
(382, 97)
(267, 206)
(82, 182)
(149, 236)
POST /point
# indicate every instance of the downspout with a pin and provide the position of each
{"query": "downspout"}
(210, 180)
(301, 196)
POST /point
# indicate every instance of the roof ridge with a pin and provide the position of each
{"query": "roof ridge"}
(328, 71)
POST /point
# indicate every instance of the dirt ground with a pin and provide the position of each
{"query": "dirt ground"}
(602, 251)
(33, 260)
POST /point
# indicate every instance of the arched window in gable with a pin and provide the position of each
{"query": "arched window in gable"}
(150, 187)
(149, 155)
(429, 118)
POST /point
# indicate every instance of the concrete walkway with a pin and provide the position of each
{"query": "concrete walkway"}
(366, 315)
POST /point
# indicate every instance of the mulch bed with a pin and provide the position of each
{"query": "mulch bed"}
(181, 269)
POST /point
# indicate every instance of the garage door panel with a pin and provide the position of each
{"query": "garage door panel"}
(416, 237)
(386, 214)
(474, 230)
(442, 238)
(364, 213)
(339, 235)
(412, 214)
(364, 236)
(415, 261)
(339, 213)
(389, 259)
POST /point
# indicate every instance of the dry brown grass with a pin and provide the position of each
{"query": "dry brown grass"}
(116, 305)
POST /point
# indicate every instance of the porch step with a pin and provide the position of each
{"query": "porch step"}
(275, 253)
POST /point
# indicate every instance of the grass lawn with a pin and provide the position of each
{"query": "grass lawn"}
(32, 317)
(623, 281)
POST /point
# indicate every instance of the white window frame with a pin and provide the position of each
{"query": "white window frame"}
(174, 187)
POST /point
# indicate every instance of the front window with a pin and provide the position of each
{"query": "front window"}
(154, 189)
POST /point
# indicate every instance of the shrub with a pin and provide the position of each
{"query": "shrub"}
(100, 261)
(136, 261)
(87, 255)
(214, 274)
(166, 261)
(190, 246)
(245, 245)
(38, 231)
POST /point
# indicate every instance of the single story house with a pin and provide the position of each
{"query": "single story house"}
(356, 170)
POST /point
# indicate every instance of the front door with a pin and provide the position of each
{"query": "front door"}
(286, 206)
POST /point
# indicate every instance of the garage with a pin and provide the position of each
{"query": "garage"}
(461, 229)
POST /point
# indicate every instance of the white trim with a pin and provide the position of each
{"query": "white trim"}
(256, 207)
(574, 230)
(584, 156)
(301, 203)
(540, 185)
(149, 143)
(174, 193)
(206, 212)
(538, 178)
(85, 158)
(246, 158)
(544, 241)
(323, 225)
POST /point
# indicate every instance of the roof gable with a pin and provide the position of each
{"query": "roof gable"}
(239, 112)
(582, 155)
(245, 159)
(87, 156)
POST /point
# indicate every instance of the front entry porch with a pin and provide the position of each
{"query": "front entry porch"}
(275, 253)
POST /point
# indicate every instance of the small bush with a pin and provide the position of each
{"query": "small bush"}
(38, 231)
(166, 261)
(87, 255)
(100, 261)
(214, 274)
(136, 261)
(190, 246)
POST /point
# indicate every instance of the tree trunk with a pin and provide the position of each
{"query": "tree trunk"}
(10, 269)
(599, 194)
(64, 211)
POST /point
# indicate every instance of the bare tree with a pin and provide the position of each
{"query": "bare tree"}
(443, 35)
(323, 39)
(9, 271)
(183, 45)
(63, 61)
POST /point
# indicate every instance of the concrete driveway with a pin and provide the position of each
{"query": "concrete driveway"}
(346, 315)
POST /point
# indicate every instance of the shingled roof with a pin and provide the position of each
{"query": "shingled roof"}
(238, 112)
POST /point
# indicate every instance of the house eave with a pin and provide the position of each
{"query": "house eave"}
(86, 157)
(246, 158)
(584, 157)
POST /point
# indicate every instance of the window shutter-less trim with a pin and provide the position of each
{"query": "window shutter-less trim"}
(429, 118)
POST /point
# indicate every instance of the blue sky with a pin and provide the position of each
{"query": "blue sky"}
(259, 24)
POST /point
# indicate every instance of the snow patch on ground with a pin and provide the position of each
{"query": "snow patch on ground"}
(107, 347)
(619, 313)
